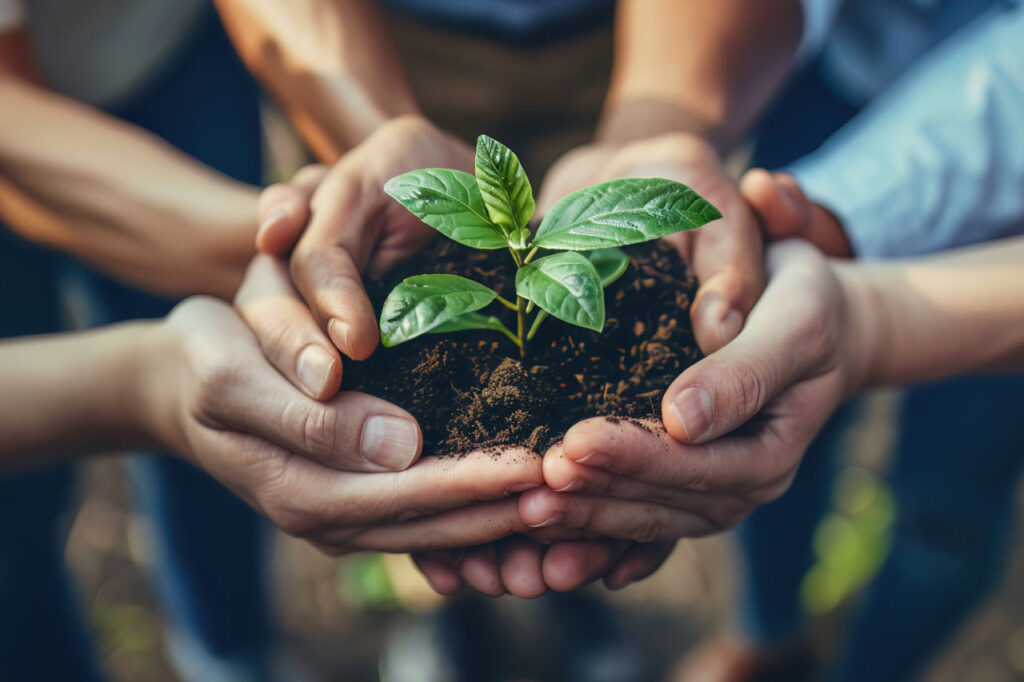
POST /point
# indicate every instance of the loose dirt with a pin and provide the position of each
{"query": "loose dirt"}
(471, 390)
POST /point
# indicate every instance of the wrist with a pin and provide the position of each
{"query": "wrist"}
(639, 118)
(152, 397)
(869, 323)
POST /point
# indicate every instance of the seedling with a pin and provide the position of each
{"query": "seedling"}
(492, 211)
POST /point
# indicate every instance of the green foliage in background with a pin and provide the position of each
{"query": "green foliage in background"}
(851, 543)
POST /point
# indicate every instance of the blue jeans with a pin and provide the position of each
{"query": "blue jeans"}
(211, 568)
(955, 467)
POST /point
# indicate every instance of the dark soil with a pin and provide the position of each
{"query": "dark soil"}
(471, 390)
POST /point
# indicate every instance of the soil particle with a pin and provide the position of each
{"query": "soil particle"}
(472, 391)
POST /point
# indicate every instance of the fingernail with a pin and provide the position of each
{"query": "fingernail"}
(338, 331)
(520, 487)
(730, 327)
(550, 521)
(716, 313)
(391, 442)
(598, 460)
(272, 219)
(314, 370)
(574, 484)
(694, 410)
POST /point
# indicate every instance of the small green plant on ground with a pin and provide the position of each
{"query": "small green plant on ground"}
(493, 210)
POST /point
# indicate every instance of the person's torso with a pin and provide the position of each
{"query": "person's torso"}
(518, 22)
(103, 51)
(873, 41)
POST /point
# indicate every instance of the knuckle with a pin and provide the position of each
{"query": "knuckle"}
(217, 377)
(309, 175)
(273, 196)
(813, 315)
(276, 335)
(698, 479)
(276, 499)
(291, 520)
(745, 387)
(650, 530)
(320, 427)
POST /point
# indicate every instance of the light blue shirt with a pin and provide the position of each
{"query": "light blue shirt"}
(936, 160)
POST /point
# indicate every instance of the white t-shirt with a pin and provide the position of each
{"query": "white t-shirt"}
(102, 51)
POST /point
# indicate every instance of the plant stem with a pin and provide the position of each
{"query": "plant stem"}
(516, 257)
(529, 256)
(541, 316)
(507, 303)
(521, 324)
(513, 338)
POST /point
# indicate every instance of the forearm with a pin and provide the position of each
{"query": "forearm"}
(702, 67)
(71, 394)
(81, 181)
(925, 319)
(329, 63)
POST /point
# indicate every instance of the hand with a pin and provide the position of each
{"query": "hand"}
(341, 225)
(341, 474)
(726, 256)
(786, 213)
(736, 424)
(527, 567)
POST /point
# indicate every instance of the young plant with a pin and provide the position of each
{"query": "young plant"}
(492, 211)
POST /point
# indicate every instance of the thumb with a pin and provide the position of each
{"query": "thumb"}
(284, 210)
(788, 335)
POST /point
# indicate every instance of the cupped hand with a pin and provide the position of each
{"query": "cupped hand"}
(785, 212)
(736, 424)
(726, 256)
(342, 474)
(338, 224)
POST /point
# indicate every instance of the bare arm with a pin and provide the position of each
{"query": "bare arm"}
(701, 67)
(78, 180)
(197, 384)
(329, 63)
(71, 393)
(942, 315)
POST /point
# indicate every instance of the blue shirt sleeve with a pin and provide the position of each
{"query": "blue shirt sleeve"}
(938, 160)
(819, 16)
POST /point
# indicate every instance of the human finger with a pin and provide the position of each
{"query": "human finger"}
(519, 561)
(286, 330)
(283, 210)
(570, 565)
(638, 562)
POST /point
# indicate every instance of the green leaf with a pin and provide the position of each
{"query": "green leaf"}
(610, 264)
(424, 302)
(469, 321)
(504, 186)
(622, 212)
(450, 202)
(565, 285)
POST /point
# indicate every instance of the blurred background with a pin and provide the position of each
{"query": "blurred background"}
(336, 615)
